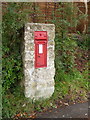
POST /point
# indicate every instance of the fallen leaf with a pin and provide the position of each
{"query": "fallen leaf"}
(66, 104)
(63, 116)
(50, 111)
(86, 114)
(60, 101)
(18, 115)
(23, 105)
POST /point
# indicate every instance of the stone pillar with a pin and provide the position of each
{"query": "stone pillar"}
(39, 82)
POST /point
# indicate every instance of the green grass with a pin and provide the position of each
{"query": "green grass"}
(73, 85)
(70, 85)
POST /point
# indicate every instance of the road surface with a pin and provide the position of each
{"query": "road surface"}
(79, 110)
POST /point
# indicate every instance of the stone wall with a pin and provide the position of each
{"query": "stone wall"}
(39, 83)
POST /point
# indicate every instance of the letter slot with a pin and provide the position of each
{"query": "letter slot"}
(40, 48)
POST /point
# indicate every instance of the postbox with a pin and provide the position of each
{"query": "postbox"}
(40, 40)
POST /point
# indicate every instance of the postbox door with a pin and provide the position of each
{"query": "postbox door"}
(40, 54)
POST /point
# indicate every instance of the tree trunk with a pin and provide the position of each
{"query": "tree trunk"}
(86, 12)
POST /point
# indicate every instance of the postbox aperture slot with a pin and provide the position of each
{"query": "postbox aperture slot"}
(40, 48)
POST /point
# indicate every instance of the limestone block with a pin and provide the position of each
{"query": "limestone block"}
(39, 82)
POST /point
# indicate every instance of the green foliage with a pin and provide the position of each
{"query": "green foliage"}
(81, 40)
(68, 80)
(65, 50)
(68, 16)
(71, 84)
(13, 20)
(12, 103)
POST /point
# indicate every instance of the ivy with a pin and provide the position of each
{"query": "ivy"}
(13, 21)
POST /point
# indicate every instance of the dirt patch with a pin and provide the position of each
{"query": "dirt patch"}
(81, 59)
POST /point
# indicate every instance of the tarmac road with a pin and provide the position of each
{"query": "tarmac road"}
(79, 110)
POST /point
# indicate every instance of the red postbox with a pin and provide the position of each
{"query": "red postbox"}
(40, 40)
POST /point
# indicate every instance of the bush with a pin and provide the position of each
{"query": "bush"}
(68, 80)
(65, 51)
(14, 18)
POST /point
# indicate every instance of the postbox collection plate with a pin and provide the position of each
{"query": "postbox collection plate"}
(40, 40)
